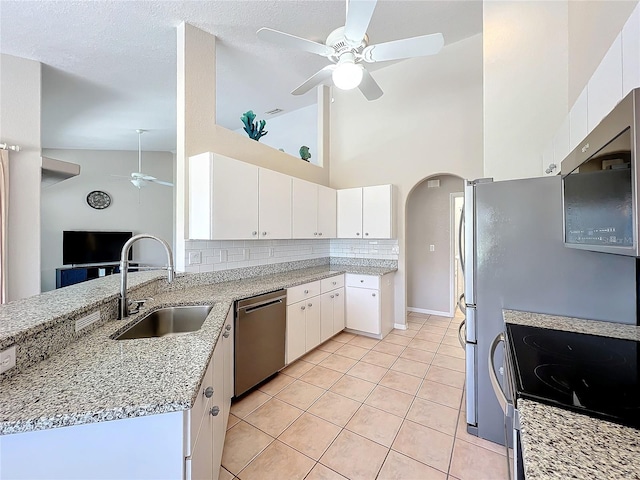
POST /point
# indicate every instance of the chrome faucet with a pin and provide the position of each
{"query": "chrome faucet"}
(124, 267)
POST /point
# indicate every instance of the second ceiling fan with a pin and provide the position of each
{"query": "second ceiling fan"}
(348, 47)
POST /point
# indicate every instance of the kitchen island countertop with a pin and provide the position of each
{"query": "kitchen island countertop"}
(97, 379)
(559, 443)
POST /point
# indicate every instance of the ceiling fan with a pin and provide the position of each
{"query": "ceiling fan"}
(140, 179)
(347, 47)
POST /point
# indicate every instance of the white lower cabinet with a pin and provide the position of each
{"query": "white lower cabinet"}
(303, 327)
(369, 306)
(176, 445)
(315, 312)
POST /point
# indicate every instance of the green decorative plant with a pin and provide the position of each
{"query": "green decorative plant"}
(304, 153)
(254, 129)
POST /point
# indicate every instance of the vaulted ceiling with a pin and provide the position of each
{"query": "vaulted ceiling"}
(109, 66)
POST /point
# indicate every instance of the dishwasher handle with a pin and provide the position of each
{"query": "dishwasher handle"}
(260, 305)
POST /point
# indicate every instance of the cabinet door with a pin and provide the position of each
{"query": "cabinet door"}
(227, 338)
(326, 212)
(296, 330)
(312, 339)
(376, 211)
(235, 199)
(326, 316)
(217, 412)
(305, 209)
(349, 213)
(202, 460)
(274, 204)
(198, 411)
(363, 310)
(338, 311)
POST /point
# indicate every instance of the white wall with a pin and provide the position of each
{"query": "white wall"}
(148, 210)
(291, 130)
(428, 121)
(429, 274)
(525, 83)
(20, 91)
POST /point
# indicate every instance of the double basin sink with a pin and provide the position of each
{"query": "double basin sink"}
(167, 321)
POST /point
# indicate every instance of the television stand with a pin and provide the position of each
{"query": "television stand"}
(66, 276)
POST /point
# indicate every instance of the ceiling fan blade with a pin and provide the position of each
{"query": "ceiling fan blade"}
(291, 41)
(369, 87)
(317, 79)
(359, 13)
(405, 48)
(162, 182)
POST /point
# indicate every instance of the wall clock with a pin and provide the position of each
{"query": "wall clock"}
(98, 200)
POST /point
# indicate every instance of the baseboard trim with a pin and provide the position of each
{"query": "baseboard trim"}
(429, 312)
(400, 326)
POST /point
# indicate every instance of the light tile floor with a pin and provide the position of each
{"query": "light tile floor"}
(359, 408)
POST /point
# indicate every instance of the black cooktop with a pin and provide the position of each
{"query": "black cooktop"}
(595, 375)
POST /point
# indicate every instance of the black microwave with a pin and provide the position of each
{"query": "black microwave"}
(600, 184)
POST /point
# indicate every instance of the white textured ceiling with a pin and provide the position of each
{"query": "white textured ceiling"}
(109, 66)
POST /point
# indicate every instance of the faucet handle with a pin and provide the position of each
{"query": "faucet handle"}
(136, 305)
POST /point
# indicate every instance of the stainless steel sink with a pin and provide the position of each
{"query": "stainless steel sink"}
(168, 321)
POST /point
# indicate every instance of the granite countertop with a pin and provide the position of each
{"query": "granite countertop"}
(97, 379)
(561, 444)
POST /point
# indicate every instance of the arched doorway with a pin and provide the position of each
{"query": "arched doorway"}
(432, 216)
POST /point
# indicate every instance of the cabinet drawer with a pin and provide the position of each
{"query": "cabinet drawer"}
(331, 283)
(302, 292)
(364, 281)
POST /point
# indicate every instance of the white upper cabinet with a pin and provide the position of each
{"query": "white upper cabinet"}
(578, 121)
(274, 201)
(223, 198)
(377, 204)
(326, 212)
(234, 200)
(605, 86)
(631, 53)
(366, 212)
(349, 206)
(314, 210)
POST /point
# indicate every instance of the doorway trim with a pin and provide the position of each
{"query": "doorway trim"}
(454, 248)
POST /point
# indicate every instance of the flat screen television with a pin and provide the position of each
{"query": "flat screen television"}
(80, 248)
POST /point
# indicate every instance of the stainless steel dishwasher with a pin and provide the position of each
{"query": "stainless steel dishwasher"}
(259, 338)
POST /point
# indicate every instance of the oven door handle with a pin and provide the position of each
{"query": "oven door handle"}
(495, 384)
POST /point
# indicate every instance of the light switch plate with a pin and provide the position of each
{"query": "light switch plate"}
(7, 359)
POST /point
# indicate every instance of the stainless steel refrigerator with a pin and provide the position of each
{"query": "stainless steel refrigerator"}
(515, 259)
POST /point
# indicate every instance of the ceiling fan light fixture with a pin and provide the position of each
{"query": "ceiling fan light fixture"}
(348, 74)
(138, 182)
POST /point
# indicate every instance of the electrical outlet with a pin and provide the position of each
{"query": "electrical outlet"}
(432, 248)
(270, 252)
(7, 359)
(195, 258)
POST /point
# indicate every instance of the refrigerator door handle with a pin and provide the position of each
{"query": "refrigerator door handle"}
(495, 383)
(462, 334)
(469, 242)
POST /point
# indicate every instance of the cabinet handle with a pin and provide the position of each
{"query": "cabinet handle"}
(302, 307)
(254, 233)
(320, 233)
(337, 294)
(358, 233)
(225, 334)
(361, 281)
(306, 291)
(373, 294)
(208, 392)
(215, 411)
(309, 305)
(315, 233)
(366, 234)
(334, 282)
(331, 296)
(264, 234)
(228, 327)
